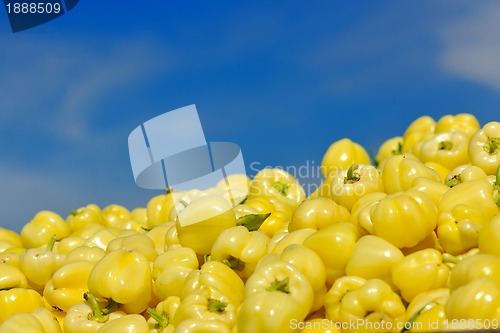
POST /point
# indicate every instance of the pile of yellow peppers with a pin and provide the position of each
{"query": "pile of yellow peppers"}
(408, 242)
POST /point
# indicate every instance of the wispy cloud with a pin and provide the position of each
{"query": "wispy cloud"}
(471, 47)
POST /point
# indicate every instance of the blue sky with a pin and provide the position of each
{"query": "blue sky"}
(282, 79)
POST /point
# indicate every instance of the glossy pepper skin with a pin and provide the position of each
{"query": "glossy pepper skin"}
(40, 321)
(269, 312)
(419, 272)
(18, 300)
(489, 237)
(366, 302)
(341, 155)
(125, 277)
(449, 149)
(416, 130)
(404, 218)
(132, 323)
(83, 216)
(283, 277)
(240, 249)
(317, 213)
(390, 147)
(349, 185)
(11, 277)
(339, 238)
(484, 148)
(464, 122)
(464, 173)
(42, 227)
(474, 267)
(277, 184)
(399, 172)
(426, 313)
(138, 243)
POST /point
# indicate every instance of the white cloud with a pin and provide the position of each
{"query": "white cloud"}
(471, 47)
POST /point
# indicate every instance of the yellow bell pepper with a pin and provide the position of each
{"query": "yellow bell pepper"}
(404, 218)
(416, 130)
(339, 238)
(364, 305)
(484, 148)
(206, 305)
(83, 216)
(240, 249)
(317, 213)
(283, 277)
(39, 321)
(489, 237)
(277, 184)
(341, 155)
(11, 277)
(464, 122)
(275, 223)
(101, 237)
(86, 253)
(426, 313)
(399, 172)
(172, 238)
(373, 258)
(214, 275)
(170, 270)
(419, 272)
(157, 235)
(158, 208)
(114, 215)
(434, 189)
(125, 277)
(38, 265)
(40, 229)
(161, 318)
(360, 213)
(139, 243)
(18, 300)
(479, 300)
(440, 169)
(392, 146)
(430, 242)
(200, 223)
(349, 185)
(11, 237)
(277, 244)
(269, 312)
(475, 267)
(463, 211)
(450, 149)
(66, 245)
(464, 173)
(132, 323)
(67, 285)
(201, 326)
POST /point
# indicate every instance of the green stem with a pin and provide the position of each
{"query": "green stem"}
(216, 306)
(449, 258)
(409, 323)
(455, 180)
(107, 309)
(51, 243)
(282, 188)
(162, 320)
(234, 263)
(252, 221)
(280, 285)
(352, 175)
(492, 146)
(96, 314)
(445, 145)
(496, 185)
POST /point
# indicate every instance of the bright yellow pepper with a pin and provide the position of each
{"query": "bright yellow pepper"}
(373, 258)
(40, 321)
(269, 312)
(132, 323)
(240, 249)
(86, 253)
(341, 155)
(419, 272)
(489, 237)
(66, 245)
(83, 216)
(277, 184)
(40, 229)
(416, 130)
(364, 305)
(404, 218)
(114, 215)
(214, 275)
(159, 207)
(68, 284)
(434, 189)
(18, 300)
(275, 223)
(283, 277)
(484, 148)
(464, 122)
(399, 172)
(161, 318)
(440, 169)
(360, 213)
(392, 146)
(339, 238)
(317, 213)
(11, 237)
(170, 270)
(11, 277)
(139, 243)
(172, 238)
(157, 235)
(475, 267)
(201, 326)
(425, 313)
(450, 149)
(277, 244)
(202, 221)
(349, 185)
(464, 173)
(125, 277)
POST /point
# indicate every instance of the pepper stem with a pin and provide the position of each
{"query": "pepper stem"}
(107, 309)
(409, 323)
(216, 305)
(252, 221)
(492, 146)
(455, 180)
(96, 313)
(445, 145)
(449, 258)
(162, 320)
(280, 285)
(352, 175)
(282, 188)
(234, 263)
(51, 243)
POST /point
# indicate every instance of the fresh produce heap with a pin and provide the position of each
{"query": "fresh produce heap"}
(409, 243)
